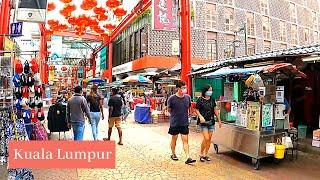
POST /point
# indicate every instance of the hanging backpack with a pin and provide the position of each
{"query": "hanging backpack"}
(41, 116)
(34, 66)
(18, 67)
(32, 102)
(26, 68)
(39, 132)
(18, 92)
(34, 117)
(18, 104)
(25, 92)
(16, 80)
(30, 80)
(38, 91)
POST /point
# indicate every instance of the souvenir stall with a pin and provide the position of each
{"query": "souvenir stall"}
(21, 108)
(253, 111)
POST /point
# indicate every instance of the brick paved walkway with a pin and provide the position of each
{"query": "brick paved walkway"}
(146, 155)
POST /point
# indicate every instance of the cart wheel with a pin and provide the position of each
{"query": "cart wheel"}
(277, 161)
(256, 163)
(216, 148)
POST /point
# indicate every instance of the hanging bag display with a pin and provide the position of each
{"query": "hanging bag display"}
(279, 153)
(26, 68)
(34, 66)
(270, 148)
(18, 67)
(287, 142)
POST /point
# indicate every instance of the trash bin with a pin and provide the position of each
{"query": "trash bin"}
(302, 131)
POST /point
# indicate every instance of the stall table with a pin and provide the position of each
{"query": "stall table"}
(142, 114)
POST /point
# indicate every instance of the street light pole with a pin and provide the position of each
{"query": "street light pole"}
(245, 39)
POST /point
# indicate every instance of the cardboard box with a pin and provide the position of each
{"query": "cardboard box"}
(316, 143)
(316, 133)
(316, 138)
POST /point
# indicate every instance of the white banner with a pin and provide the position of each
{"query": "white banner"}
(32, 11)
(123, 68)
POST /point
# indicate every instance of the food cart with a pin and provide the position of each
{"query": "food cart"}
(248, 124)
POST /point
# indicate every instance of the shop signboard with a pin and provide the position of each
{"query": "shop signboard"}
(175, 47)
(56, 49)
(242, 115)
(8, 46)
(123, 68)
(253, 116)
(228, 91)
(164, 15)
(16, 29)
(267, 115)
(32, 11)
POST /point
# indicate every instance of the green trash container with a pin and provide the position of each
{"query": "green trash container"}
(302, 131)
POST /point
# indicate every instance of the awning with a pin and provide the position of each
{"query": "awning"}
(228, 71)
(281, 68)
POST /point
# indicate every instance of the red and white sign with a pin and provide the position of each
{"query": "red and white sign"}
(163, 15)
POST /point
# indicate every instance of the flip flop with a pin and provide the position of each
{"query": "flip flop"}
(106, 139)
(120, 143)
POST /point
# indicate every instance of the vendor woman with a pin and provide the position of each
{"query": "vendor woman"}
(206, 109)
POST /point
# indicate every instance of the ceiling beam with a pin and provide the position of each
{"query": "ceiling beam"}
(72, 34)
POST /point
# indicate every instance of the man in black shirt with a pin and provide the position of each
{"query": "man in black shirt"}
(115, 104)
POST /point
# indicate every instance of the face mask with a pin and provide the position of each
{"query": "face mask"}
(184, 91)
(209, 93)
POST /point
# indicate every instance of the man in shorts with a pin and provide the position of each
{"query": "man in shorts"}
(178, 106)
(115, 105)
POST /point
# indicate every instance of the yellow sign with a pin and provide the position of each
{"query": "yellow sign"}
(8, 46)
(51, 75)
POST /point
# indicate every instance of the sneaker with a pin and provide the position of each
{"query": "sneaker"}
(202, 158)
(190, 161)
(207, 158)
(174, 157)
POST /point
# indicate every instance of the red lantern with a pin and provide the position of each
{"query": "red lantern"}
(51, 6)
(88, 4)
(113, 3)
(119, 12)
(67, 10)
(51, 68)
(75, 68)
(97, 29)
(110, 27)
(63, 68)
(105, 37)
(102, 17)
(66, 1)
(99, 10)
(72, 21)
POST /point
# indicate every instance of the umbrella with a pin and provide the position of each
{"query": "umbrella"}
(136, 79)
(94, 80)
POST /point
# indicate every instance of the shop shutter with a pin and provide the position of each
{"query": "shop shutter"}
(144, 41)
(137, 44)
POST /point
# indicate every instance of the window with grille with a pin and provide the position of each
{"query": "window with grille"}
(315, 37)
(211, 16)
(306, 36)
(264, 7)
(266, 28)
(294, 34)
(211, 49)
(250, 24)
(267, 46)
(282, 28)
(293, 12)
(229, 14)
(314, 20)
(228, 2)
(251, 49)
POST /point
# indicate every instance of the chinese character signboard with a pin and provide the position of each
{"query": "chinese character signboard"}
(164, 15)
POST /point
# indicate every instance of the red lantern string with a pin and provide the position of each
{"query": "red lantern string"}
(113, 3)
(51, 6)
(66, 1)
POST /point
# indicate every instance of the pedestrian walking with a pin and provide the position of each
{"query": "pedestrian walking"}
(95, 102)
(115, 105)
(206, 110)
(77, 108)
(178, 106)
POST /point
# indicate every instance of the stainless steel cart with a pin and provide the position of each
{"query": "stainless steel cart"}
(245, 141)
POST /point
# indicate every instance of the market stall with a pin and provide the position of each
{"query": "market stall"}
(253, 109)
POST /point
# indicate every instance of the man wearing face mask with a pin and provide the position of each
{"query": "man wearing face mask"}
(206, 110)
(178, 106)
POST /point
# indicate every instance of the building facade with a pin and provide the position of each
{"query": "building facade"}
(218, 32)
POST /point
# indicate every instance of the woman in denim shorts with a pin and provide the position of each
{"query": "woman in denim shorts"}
(206, 110)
